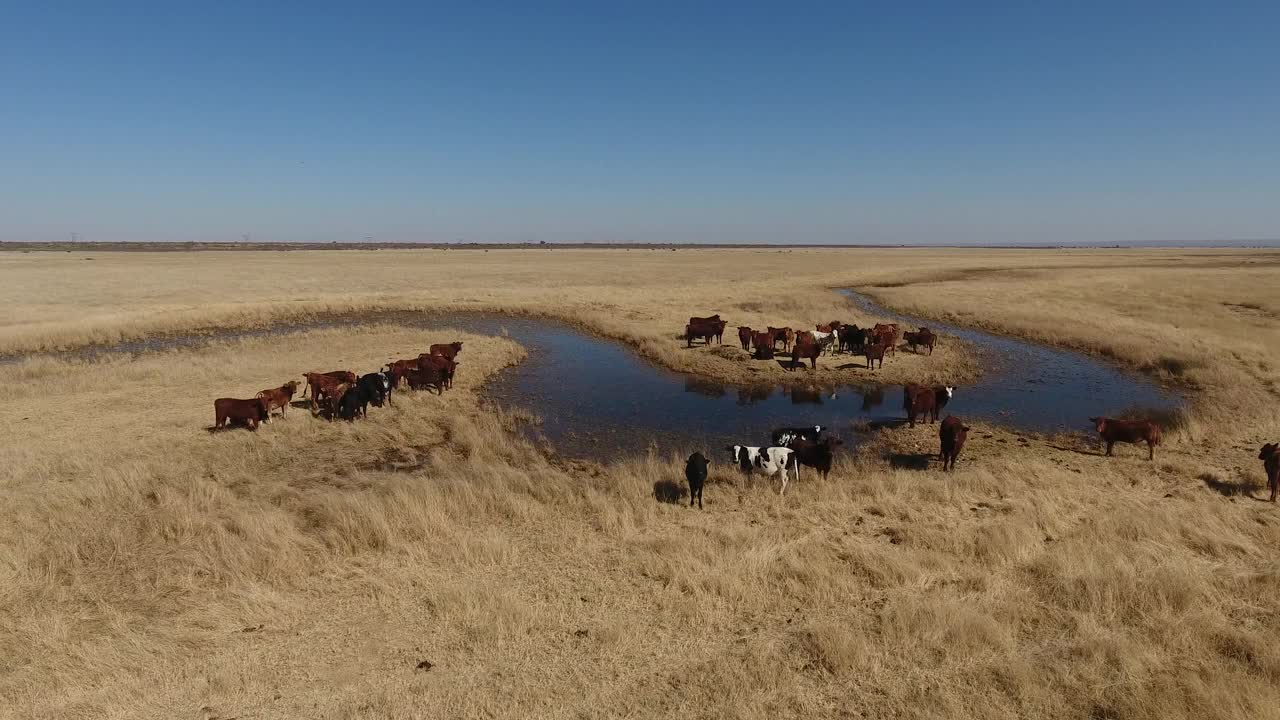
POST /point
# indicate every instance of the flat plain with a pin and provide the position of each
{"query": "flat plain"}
(428, 562)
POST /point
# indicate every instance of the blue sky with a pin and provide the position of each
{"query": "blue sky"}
(847, 122)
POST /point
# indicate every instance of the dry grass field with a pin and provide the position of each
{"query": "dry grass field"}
(427, 562)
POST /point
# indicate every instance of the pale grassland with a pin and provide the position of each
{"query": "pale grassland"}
(1040, 580)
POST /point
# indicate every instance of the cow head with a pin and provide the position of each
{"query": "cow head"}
(949, 391)
(290, 387)
(698, 461)
(1268, 451)
(817, 429)
(1099, 422)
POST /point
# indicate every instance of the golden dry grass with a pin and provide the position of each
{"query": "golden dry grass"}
(151, 569)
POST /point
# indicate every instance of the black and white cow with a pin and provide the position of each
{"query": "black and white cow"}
(377, 386)
(771, 461)
(783, 437)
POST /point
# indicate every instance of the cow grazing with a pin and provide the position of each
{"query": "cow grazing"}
(952, 433)
(924, 338)
(1270, 457)
(705, 329)
(763, 342)
(1128, 431)
(279, 398)
(783, 437)
(928, 401)
(695, 471)
(817, 454)
(378, 387)
(771, 461)
(354, 402)
(873, 352)
(230, 411)
(744, 337)
(450, 350)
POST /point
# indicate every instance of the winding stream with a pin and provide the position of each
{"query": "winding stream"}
(598, 399)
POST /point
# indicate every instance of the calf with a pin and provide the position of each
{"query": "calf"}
(783, 437)
(808, 349)
(1128, 431)
(818, 455)
(1270, 457)
(744, 337)
(925, 337)
(873, 352)
(354, 402)
(771, 461)
(952, 433)
(695, 471)
(279, 397)
(450, 350)
(229, 411)
(331, 401)
(917, 400)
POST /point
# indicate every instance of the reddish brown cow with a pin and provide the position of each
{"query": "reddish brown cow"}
(450, 351)
(441, 363)
(831, 327)
(873, 352)
(784, 335)
(806, 348)
(279, 397)
(952, 434)
(323, 384)
(887, 334)
(1128, 431)
(928, 401)
(705, 330)
(818, 455)
(763, 343)
(230, 411)
(744, 337)
(1270, 457)
(427, 377)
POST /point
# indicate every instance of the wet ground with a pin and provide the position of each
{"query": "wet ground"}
(597, 398)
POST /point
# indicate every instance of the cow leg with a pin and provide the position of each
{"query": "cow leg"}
(1109, 444)
(1274, 482)
(1151, 450)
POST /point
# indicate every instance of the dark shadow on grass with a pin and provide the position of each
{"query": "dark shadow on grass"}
(1078, 451)
(666, 491)
(1229, 488)
(910, 461)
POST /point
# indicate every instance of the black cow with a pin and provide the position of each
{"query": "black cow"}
(695, 471)
(355, 402)
(852, 339)
(783, 437)
(818, 455)
(378, 387)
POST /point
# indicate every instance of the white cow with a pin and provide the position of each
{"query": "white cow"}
(771, 461)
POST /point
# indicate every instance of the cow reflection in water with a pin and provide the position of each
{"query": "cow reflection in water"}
(872, 398)
(810, 395)
(709, 388)
(753, 394)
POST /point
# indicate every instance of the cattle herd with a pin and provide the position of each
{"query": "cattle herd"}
(340, 393)
(833, 338)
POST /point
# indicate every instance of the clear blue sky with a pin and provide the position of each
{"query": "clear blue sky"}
(928, 122)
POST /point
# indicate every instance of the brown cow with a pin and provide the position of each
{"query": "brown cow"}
(831, 327)
(873, 351)
(279, 398)
(443, 364)
(784, 335)
(763, 343)
(928, 401)
(427, 377)
(1128, 431)
(818, 455)
(231, 411)
(450, 351)
(952, 434)
(806, 348)
(925, 337)
(324, 383)
(744, 337)
(705, 329)
(1270, 457)
(887, 334)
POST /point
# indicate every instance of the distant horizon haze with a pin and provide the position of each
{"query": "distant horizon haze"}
(1094, 124)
